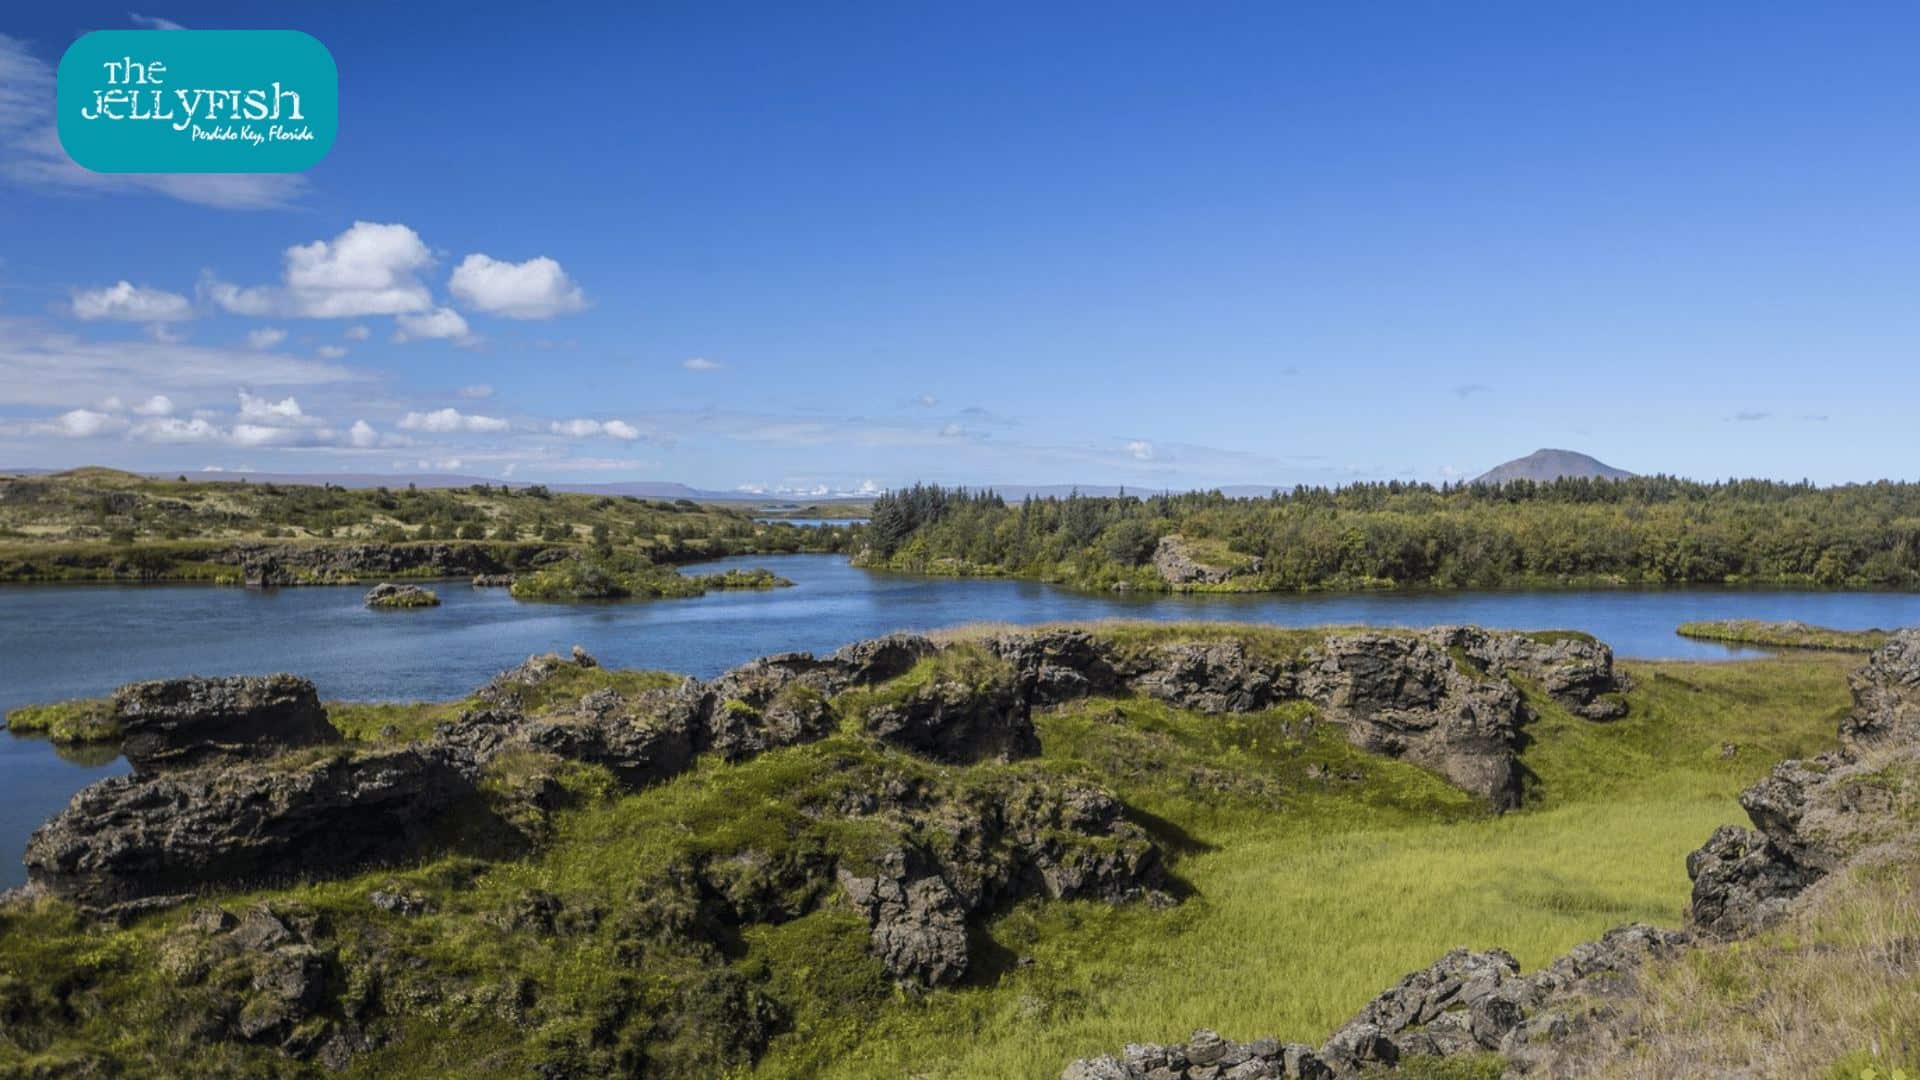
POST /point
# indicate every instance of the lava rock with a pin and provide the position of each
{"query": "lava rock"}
(176, 723)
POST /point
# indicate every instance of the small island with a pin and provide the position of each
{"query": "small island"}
(1791, 634)
(609, 575)
(388, 596)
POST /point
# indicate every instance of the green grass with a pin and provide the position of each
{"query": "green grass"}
(86, 720)
(1308, 903)
(1787, 635)
(1314, 877)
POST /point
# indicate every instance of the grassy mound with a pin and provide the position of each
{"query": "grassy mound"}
(1784, 635)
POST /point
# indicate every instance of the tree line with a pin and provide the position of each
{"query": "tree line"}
(1649, 530)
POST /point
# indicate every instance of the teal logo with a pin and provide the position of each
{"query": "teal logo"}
(198, 101)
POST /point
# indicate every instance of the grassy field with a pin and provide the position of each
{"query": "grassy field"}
(1300, 916)
(1314, 876)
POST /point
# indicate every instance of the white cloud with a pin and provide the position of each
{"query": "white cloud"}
(535, 289)
(440, 323)
(357, 333)
(157, 405)
(330, 352)
(171, 430)
(362, 435)
(152, 22)
(927, 401)
(259, 408)
(80, 424)
(127, 302)
(370, 269)
(31, 154)
(476, 392)
(587, 429)
(441, 421)
(266, 337)
(264, 435)
(1140, 450)
(953, 431)
(701, 363)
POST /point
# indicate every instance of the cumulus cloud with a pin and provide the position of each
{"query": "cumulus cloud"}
(80, 424)
(1140, 450)
(440, 324)
(701, 363)
(370, 269)
(157, 405)
(442, 421)
(587, 429)
(127, 302)
(362, 435)
(31, 155)
(535, 289)
(285, 410)
(357, 333)
(330, 352)
(266, 337)
(927, 401)
(475, 392)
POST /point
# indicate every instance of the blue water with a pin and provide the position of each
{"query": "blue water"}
(71, 641)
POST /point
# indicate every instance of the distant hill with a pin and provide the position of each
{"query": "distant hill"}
(1545, 465)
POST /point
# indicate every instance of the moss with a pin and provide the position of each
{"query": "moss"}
(86, 720)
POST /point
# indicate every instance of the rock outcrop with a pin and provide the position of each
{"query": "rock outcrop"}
(1176, 562)
(269, 565)
(175, 723)
(1810, 817)
(391, 596)
(1886, 696)
(134, 842)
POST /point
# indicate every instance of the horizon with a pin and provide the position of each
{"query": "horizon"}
(1003, 248)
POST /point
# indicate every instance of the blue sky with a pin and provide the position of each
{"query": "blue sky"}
(827, 247)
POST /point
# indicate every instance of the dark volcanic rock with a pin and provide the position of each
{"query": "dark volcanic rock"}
(962, 721)
(984, 848)
(1208, 676)
(1405, 697)
(919, 924)
(388, 595)
(172, 723)
(643, 738)
(1886, 695)
(141, 841)
(1055, 666)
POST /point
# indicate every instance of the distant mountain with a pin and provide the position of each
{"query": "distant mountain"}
(1545, 465)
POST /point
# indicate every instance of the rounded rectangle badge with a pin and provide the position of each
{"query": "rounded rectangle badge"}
(198, 101)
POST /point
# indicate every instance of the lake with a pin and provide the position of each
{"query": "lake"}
(81, 640)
